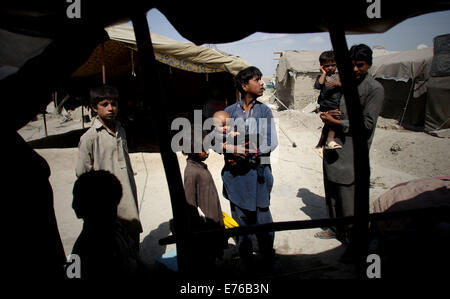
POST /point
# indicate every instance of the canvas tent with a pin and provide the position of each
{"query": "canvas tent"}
(404, 76)
(193, 77)
(191, 70)
(437, 115)
(296, 73)
(414, 97)
(183, 55)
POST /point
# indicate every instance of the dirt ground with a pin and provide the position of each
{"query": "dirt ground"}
(397, 155)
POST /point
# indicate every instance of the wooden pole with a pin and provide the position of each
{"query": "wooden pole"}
(360, 146)
(103, 63)
(45, 124)
(82, 116)
(133, 73)
(435, 214)
(54, 99)
(156, 105)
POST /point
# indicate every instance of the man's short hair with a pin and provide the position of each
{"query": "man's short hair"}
(245, 75)
(194, 141)
(361, 52)
(102, 92)
(326, 56)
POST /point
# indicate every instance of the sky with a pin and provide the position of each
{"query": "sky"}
(257, 49)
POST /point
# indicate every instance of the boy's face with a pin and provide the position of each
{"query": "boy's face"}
(360, 68)
(107, 109)
(254, 86)
(329, 67)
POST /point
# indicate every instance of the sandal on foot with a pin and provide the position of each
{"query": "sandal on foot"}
(332, 145)
(326, 234)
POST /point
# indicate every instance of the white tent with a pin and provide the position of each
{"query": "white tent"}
(296, 73)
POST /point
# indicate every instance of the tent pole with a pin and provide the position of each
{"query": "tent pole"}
(410, 94)
(133, 73)
(45, 123)
(102, 48)
(156, 105)
(82, 115)
(360, 147)
(54, 99)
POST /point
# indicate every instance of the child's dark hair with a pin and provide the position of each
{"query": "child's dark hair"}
(245, 75)
(94, 192)
(326, 56)
(361, 52)
(193, 141)
(102, 92)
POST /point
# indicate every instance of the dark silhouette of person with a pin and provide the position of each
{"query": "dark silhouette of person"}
(104, 245)
(32, 249)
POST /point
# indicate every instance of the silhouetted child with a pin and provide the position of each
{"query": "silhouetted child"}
(201, 193)
(330, 94)
(104, 246)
